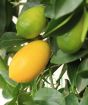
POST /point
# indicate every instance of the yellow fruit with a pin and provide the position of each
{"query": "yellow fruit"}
(32, 22)
(29, 61)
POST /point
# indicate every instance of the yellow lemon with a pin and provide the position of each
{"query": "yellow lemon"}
(29, 61)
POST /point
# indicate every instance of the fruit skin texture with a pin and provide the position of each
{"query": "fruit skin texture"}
(71, 42)
(32, 22)
(29, 61)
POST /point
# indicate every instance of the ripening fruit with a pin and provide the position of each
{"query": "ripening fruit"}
(29, 61)
(32, 22)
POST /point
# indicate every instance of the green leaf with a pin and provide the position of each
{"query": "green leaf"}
(84, 100)
(62, 58)
(2, 16)
(8, 91)
(11, 92)
(2, 67)
(62, 25)
(9, 40)
(56, 24)
(2, 82)
(86, 91)
(46, 2)
(83, 68)
(71, 99)
(72, 70)
(16, 90)
(25, 99)
(81, 83)
(12, 102)
(59, 8)
(49, 96)
(5, 75)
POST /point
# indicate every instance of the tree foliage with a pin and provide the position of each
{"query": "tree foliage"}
(62, 16)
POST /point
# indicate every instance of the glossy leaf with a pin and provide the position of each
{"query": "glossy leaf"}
(25, 99)
(8, 91)
(81, 83)
(2, 82)
(71, 99)
(55, 24)
(2, 67)
(86, 91)
(4, 73)
(9, 40)
(62, 25)
(83, 68)
(59, 8)
(61, 57)
(84, 100)
(49, 97)
(72, 71)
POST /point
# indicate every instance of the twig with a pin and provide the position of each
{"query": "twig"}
(51, 79)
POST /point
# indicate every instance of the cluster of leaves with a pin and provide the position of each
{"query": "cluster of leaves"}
(61, 16)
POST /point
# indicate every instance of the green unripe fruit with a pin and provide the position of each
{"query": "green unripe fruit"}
(32, 22)
(72, 41)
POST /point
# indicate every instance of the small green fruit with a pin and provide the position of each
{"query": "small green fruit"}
(32, 22)
(72, 41)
